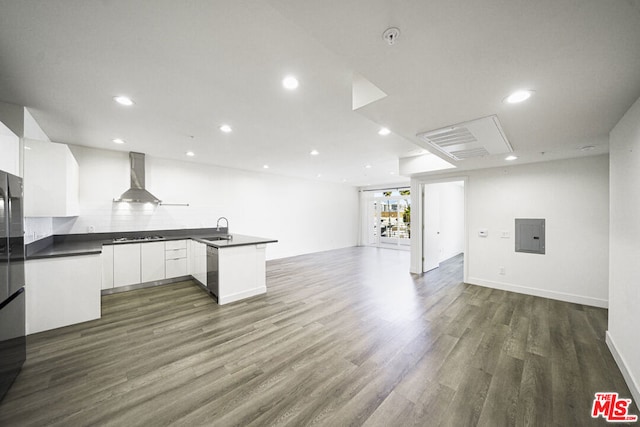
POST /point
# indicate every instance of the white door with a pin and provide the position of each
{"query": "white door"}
(431, 235)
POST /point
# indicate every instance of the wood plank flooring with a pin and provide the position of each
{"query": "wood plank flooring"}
(345, 337)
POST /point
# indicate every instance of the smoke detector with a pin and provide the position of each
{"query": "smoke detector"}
(390, 35)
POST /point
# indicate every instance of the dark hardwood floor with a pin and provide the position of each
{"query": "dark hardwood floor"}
(345, 337)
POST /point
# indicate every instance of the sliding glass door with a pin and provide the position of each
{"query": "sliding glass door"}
(388, 219)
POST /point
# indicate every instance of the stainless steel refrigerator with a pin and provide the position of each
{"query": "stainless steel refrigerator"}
(12, 295)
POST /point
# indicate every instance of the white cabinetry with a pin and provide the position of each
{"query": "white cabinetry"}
(198, 261)
(107, 266)
(50, 180)
(62, 291)
(126, 264)
(152, 261)
(176, 258)
(241, 272)
(10, 149)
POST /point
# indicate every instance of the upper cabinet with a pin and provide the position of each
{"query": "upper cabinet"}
(10, 149)
(51, 180)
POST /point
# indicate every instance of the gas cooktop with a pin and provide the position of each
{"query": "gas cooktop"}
(137, 239)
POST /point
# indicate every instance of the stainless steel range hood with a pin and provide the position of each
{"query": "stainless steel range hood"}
(137, 193)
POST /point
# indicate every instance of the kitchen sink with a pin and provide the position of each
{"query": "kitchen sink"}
(214, 238)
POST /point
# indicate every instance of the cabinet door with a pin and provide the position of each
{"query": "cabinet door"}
(191, 259)
(62, 291)
(10, 149)
(107, 266)
(152, 261)
(50, 191)
(126, 264)
(200, 255)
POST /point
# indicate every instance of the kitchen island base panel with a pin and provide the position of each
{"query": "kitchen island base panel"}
(242, 272)
(227, 299)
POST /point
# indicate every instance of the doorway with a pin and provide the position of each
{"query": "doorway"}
(388, 219)
(443, 219)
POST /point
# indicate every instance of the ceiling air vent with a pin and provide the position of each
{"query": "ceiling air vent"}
(476, 138)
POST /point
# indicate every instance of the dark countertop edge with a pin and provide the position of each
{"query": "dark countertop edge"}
(60, 254)
(46, 248)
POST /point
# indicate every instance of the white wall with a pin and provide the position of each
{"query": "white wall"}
(305, 216)
(572, 195)
(624, 268)
(451, 219)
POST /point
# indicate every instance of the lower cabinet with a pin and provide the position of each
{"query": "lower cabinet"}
(198, 261)
(176, 258)
(152, 261)
(107, 266)
(241, 272)
(176, 267)
(126, 264)
(62, 291)
(132, 263)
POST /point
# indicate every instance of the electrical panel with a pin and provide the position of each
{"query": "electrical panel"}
(530, 235)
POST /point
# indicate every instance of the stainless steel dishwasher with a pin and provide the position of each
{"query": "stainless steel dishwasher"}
(213, 270)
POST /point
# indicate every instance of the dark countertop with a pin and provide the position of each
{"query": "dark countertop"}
(91, 244)
(235, 240)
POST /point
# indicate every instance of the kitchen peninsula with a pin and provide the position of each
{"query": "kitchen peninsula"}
(72, 271)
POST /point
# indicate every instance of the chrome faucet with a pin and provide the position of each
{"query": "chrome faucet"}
(218, 224)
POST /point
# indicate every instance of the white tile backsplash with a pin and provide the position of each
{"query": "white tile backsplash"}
(37, 228)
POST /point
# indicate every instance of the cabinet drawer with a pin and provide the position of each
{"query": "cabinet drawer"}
(176, 267)
(176, 244)
(175, 253)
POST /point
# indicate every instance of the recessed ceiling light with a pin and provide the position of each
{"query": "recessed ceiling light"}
(510, 158)
(314, 152)
(190, 153)
(225, 128)
(290, 83)
(27, 147)
(118, 140)
(392, 173)
(518, 96)
(367, 166)
(384, 131)
(123, 100)
(265, 166)
(319, 175)
(588, 148)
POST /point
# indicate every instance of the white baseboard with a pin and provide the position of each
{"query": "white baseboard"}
(242, 295)
(633, 385)
(561, 296)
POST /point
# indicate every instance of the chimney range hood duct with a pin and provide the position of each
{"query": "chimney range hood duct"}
(137, 193)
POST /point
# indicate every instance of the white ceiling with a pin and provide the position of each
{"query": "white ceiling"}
(192, 66)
